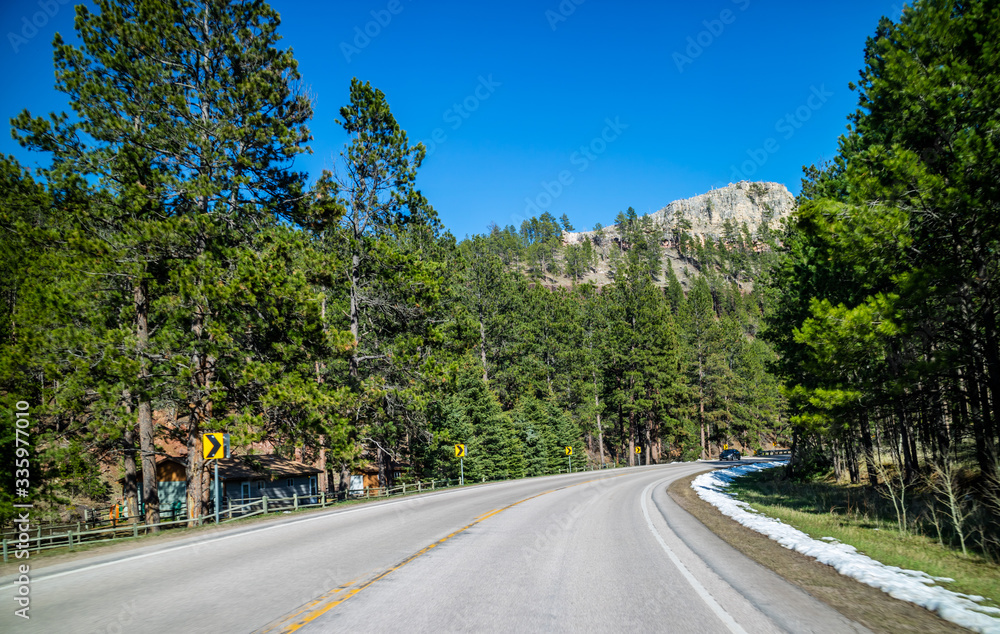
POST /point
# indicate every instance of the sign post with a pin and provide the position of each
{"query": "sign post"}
(460, 454)
(215, 446)
(569, 456)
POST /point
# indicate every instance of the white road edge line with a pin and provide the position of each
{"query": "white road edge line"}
(43, 577)
(700, 589)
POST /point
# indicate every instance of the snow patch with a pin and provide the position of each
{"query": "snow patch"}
(907, 585)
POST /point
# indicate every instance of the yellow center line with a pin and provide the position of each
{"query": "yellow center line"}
(332, 599)
(487, 514)
(307, 606)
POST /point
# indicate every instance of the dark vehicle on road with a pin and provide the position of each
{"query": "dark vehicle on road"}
(730, 454)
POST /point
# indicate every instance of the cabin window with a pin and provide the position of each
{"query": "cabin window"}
(260, 485)
(290, 482)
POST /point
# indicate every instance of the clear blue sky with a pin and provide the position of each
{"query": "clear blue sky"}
(627, 103)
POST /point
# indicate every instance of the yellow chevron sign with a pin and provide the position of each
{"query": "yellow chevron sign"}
(215, 445)
(459, 451)
(569, 451)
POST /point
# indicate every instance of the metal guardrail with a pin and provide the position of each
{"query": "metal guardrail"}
(772, 452)
(241, 509)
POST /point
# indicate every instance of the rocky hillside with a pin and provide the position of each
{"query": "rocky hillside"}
(745, 202)
(704, 217)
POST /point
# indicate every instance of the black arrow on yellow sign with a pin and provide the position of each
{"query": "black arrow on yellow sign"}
(215, 443)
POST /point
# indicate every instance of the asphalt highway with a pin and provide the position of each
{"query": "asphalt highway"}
(596, 552)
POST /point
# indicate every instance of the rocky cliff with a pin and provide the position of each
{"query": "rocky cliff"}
(752, 203)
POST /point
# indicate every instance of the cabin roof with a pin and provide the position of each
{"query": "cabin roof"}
(263, 468)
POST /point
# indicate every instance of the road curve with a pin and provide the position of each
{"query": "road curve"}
(596, 551)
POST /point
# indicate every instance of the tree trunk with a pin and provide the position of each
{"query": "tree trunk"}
(909, 468)
(345, 479)
(852, 460)
(482, 351)
(147, 447)
(649, 442)
(597, 410)
(976, 391)
(631, 439)
(131, 499)
(963, 415)
(147, 432)
(195, 465)
(975, 383)
(992, 353)
(354, 316)
(207, 487)
(383, 480)
(701, 407)
(631, 435)
(790, 467)
(387, 468)
(620, 434)
(201, 413)
(199, 409)
(866, 443)
(701, 418)
(323, 481)
(838, 461)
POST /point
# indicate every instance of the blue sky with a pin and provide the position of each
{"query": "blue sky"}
(582, 107)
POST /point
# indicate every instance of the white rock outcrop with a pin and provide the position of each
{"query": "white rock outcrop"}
(752, 203)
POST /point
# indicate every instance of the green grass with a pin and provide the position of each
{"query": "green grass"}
(854, 515)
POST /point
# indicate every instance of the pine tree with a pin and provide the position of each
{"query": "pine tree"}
(489, 294)
(702, 338)
(189, 118)
(565, 223)
(640, 382)
(386, 225)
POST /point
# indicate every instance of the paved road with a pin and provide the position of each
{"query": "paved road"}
(598, 551)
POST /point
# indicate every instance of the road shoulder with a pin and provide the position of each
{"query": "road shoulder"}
(865, 605)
